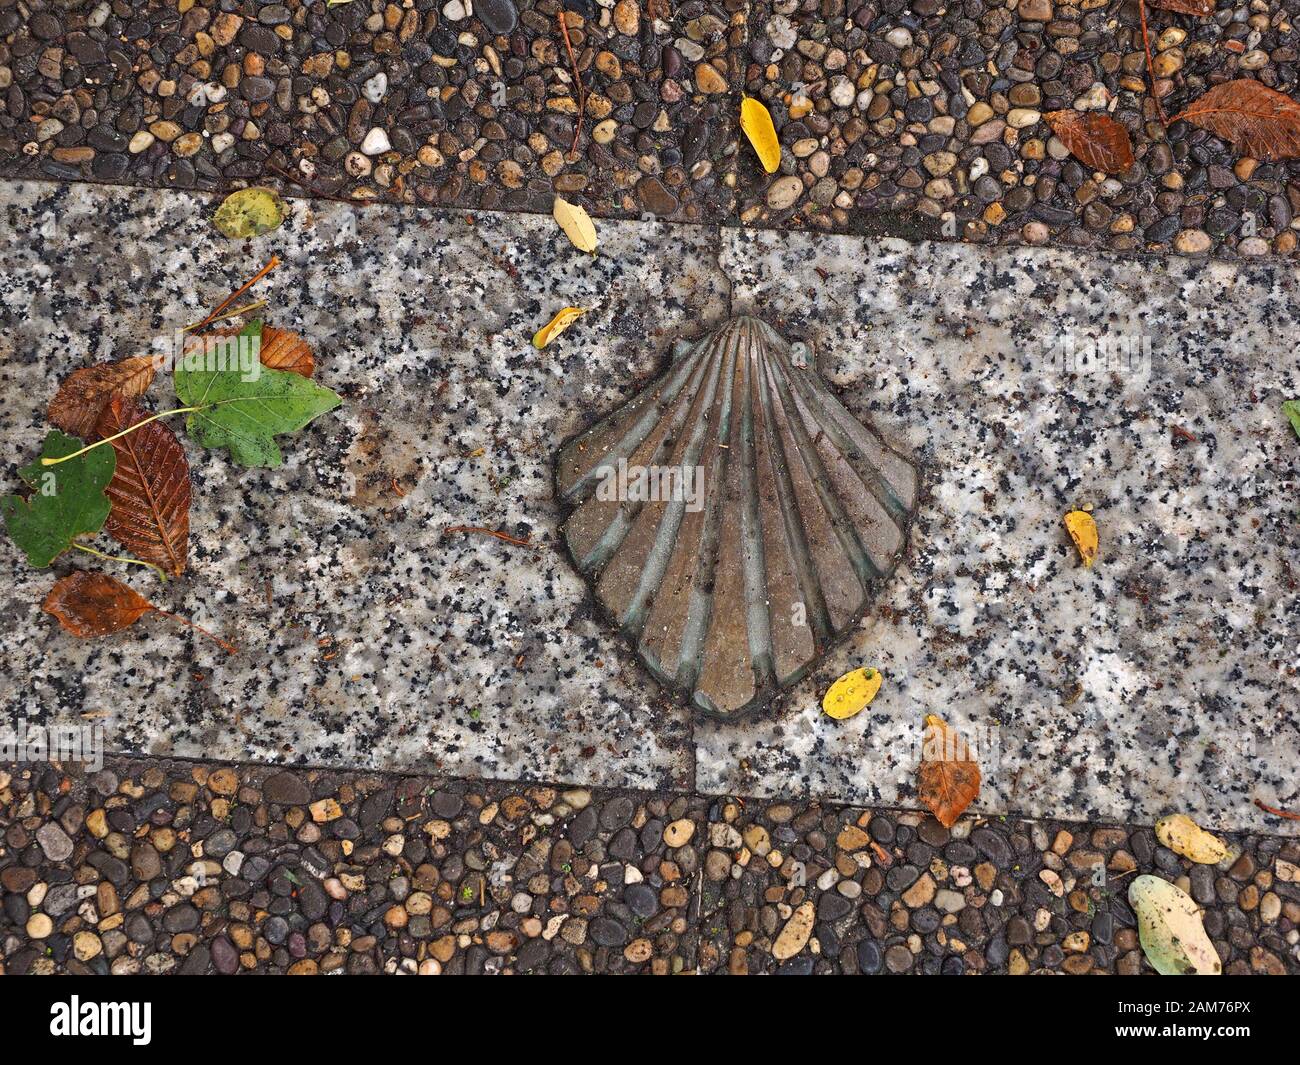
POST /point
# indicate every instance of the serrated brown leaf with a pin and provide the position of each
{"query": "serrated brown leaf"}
(94, 604)
(85, 393)
(150, 489)
(1186, 7)
(283, 350)
(1093, 138)
(948, 781)
(1254, 119)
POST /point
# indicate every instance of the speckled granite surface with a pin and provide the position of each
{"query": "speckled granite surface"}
(1164, 677)
(1167, 676)
(368, 638)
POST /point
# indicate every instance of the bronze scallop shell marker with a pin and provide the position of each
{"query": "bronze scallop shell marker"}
(734, 518)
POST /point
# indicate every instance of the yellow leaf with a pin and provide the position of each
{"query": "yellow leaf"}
(1083, 531)
(1184, 836)
(756, 121)
(851, 693)
(556, 326)
(249, 213)
(576, 223)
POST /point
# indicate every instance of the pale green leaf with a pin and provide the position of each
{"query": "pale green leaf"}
(245, 409)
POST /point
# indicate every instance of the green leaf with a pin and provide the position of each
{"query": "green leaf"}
(67, 500)
(1291, 408)
(244, 410)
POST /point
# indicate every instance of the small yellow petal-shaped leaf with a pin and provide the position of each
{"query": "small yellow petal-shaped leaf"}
(576, 223)
(556, 326)
(756, 121)
(851, 693)
(1083, 531)
(1184, 836)
(249, 213)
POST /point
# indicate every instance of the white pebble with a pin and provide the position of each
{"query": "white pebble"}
(780, 32)
(375, 87)
(842, 91)
(376, 142)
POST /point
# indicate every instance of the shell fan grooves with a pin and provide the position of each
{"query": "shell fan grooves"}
(734, 518)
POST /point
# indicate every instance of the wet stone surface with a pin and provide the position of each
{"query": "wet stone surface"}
(180, 867)
(373, 638)
(926, 120)
(917, 120)
(420, 103)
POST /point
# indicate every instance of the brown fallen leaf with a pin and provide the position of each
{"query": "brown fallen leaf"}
(95, 604)
(948, 780)
(85, 393)
(150, 489)
(1093, 138)
(1186, 7)
(1256, 120)
(283, 350)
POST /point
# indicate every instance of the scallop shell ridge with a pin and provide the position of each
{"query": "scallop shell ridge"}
(733, 518)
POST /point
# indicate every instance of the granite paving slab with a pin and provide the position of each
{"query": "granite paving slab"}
(1163, 677)
(368, 636)
(1031, 383)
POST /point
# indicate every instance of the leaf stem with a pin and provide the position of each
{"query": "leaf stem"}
(487, 532)
(227, 314)
(1151, 74)
(116, 436)
(122, 558)
(1277, 812)
(271, 265)
(229, 648)
(577, 75)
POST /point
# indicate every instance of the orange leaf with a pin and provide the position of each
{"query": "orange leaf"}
(948, 780)
(1094, 138)
(94, 604)
(283, 350)
(1186, 7)
(150, 489)
(1254, 119)
(85, 393)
